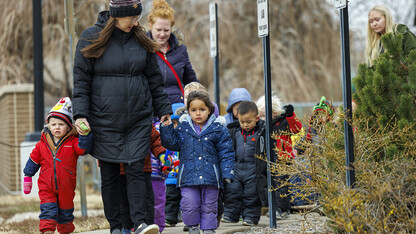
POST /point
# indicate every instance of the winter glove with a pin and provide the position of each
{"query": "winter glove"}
(166, 169)
(176, 163)
(288, 110)
(166, 160)
(227, 180)
(85, 142)
(27, 184)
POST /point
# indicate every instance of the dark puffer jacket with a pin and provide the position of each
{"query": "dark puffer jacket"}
(118, 94)
(178, 57)
(205, 159)
(255, 145)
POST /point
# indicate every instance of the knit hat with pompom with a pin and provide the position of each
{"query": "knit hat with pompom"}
(62, 110)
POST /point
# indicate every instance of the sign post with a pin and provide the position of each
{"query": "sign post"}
(342, 5)
(263, 32)
(213, 38)
(38, 65)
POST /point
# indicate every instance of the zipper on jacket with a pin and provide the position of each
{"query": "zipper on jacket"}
(56, 159)
(54, 170)
(216, 175)
(180, 176)
(126, 97)
(54, 164)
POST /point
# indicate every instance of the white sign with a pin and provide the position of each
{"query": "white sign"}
(263, 18)
(339, 4)
(212, 29)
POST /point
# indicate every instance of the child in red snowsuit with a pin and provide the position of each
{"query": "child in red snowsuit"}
(56, 156)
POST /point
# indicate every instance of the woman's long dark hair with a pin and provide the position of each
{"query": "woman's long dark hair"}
(99, 45)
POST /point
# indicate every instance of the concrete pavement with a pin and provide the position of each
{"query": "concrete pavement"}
(223, 229)
(295, 223)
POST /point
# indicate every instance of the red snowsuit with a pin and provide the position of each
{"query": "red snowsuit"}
(284, 127)
(57, 179)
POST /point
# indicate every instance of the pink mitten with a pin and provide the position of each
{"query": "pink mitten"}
(27, 184)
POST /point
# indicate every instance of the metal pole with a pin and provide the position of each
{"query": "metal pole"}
(217, 63)
(70, 29)
(82, 187)
(268, 108)
(346, 89)
(38, 64)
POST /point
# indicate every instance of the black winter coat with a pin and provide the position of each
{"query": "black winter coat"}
(118, 94)
(261, 165)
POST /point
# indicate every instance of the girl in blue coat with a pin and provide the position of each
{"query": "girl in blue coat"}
(207, 159)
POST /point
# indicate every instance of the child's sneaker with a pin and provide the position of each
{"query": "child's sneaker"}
(280, 215)
(147, 229)
(226, 219)
(169, 223)
(210, 231)
(125, 231)
(194, 229)
(248, 222)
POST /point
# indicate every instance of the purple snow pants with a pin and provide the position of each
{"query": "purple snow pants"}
(160, 200)
(199, 206)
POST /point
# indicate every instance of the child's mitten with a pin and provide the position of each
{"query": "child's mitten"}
(166, 159)
(27, 184)
(288, 110)
(85, 142)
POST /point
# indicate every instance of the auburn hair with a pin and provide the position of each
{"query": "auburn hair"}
(161, 9)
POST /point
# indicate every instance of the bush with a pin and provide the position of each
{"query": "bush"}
(382, 199)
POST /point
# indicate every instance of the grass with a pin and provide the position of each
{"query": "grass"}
(32, 225)
(11, 205)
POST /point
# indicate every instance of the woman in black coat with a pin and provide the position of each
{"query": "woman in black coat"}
(118, 88)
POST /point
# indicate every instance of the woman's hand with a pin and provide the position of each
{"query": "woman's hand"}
(79, 128)
(166, 120)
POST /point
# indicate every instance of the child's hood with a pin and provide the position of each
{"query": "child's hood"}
(237, 95)
(47, 137)
(212, 119)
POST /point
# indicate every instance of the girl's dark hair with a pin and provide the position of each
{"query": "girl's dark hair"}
(203, 96)
(246, 107)
(101, 43)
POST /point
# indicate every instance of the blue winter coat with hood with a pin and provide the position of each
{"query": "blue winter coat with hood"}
(206, 159)
(236, 95)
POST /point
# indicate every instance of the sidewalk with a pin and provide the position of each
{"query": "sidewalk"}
(223, 229)
(294, 224)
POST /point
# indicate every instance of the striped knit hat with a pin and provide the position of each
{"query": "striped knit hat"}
(62, 110)
(123, 8)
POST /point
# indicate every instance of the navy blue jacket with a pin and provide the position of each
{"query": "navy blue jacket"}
(206, 159)
(248, 152)
(177, 55)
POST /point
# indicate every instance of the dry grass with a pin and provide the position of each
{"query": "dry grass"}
(305, 45)
(11, 205)
(32, 225)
